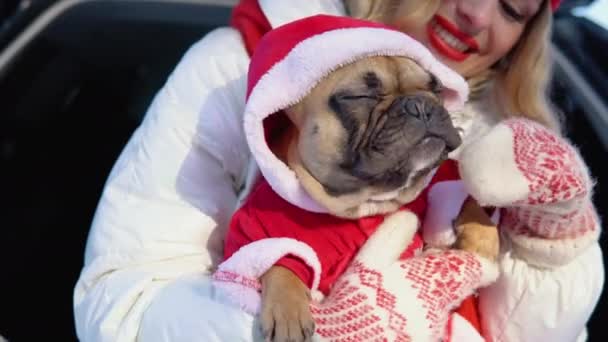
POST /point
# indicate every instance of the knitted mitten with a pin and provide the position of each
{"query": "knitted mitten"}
(382, 298)
(543, 185)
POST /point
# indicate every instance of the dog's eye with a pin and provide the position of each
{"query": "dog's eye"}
(346, 101)
(359, 97)
(355, 96)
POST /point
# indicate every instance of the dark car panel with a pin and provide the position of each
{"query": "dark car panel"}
(72, 93)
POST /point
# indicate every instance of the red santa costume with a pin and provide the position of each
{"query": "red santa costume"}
(280, 224)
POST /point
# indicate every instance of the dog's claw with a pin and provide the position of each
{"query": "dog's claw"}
(308, 331)
(285, 315)
(267, 323)
(280, 324)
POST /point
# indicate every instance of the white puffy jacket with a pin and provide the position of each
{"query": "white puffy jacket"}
(161, 219)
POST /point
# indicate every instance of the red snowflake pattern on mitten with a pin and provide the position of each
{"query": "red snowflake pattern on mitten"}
(370, 304)
(558, 205)
(542, 185)
(551, 166)
(441, 280)
(350, 313)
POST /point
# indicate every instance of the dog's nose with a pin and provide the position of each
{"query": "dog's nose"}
(417, 106)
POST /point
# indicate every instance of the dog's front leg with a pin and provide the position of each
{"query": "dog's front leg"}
(285, 314)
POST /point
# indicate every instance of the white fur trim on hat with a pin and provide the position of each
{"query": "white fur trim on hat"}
(237, 278)
(290, 79)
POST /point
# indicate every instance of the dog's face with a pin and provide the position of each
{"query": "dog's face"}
(369, 134)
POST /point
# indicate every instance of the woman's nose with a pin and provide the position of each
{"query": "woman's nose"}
(475, 16)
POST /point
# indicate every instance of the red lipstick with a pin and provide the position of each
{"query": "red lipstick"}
(446, 48)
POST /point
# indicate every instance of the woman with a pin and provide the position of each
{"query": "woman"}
(161, 219)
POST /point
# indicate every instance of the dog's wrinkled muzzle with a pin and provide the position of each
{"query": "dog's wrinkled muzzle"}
(417, 134)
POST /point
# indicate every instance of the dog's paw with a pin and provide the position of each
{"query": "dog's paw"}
(285, 314)
(476, 233)
(479, 239)
(283, 322)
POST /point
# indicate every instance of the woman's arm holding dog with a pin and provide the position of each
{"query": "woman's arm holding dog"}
(543, 185)
(551, 266)
(169, 197)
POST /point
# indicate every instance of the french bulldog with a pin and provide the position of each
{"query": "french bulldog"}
(364, 142)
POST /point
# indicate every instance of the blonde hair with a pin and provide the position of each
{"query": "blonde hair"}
(518, 83)
(521, 87)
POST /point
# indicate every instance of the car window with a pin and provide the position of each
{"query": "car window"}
(596, 12)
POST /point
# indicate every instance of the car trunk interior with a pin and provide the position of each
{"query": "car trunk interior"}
(70, 100)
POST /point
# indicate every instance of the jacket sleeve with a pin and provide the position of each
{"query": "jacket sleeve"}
(528, 303)
(170, 195)
(551, 267)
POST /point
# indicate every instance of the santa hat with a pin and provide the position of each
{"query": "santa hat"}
(290, 60)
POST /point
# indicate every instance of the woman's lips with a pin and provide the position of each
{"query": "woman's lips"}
(449, 40)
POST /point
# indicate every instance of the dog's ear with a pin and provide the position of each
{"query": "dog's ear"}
(435, 85)
(367, 9)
